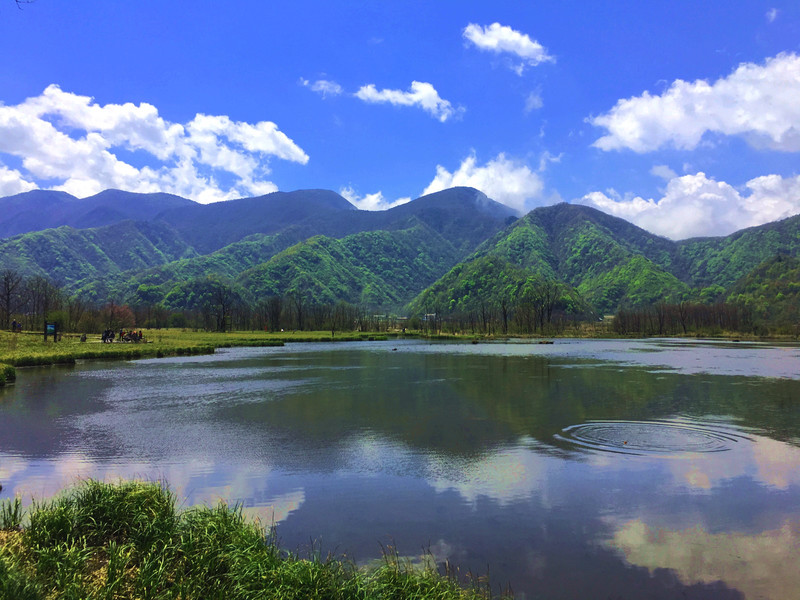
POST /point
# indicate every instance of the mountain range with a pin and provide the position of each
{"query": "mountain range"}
(450, 251)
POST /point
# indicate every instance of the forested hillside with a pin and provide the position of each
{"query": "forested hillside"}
(72, 257)
(771, 291)
(603, 263)
(456, 254)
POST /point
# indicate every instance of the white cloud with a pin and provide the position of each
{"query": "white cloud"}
(696, 205)
(12, 182)
(500, 39)
(374, 201)
(69, 142)
(758, 102)
(505, 180)
(771, 15)
(323, 87)
(546, 158)
(533, 101)
(663, 171)
(421, 94)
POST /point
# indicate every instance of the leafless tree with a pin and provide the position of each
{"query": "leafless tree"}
(42, 297)
(10, 297)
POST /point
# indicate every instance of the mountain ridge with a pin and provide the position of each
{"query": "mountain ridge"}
(455, 248)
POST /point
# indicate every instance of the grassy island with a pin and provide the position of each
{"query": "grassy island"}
(128, 540)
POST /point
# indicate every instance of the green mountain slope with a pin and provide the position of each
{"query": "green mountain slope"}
(613, 263)
(610, 262)
(635, 281)
(72, 257)
(772, 291)
(151, 285)
(470, 285)
(402, 262)
(379, 269)
(722, 261)
(321, 270)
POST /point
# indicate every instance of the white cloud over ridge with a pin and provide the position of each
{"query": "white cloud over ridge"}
(421, 94)
(374, 201)
(758, 102)
(501, 39)
(69, 142)
(504, 180)
(12, 182)
(699, 206)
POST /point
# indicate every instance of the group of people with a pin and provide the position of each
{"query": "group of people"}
(124, 336)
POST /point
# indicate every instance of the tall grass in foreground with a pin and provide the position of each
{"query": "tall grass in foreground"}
(128, 541)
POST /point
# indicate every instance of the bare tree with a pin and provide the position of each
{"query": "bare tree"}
(10, 297)
(298, 304)
(42, 297)
(223, 298)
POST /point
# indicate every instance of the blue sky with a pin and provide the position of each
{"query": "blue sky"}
(683, 117)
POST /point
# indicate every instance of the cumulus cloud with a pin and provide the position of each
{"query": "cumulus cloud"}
(505, 180)
(421, 94)
(696, 205)
(771, 15)
(501, 39)
(323, 87)
(374, 201)
(12, 182)
(758, 102)
(69, 142)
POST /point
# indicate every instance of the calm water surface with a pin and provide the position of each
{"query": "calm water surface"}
(582, 469)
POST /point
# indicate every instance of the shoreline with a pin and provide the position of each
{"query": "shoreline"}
(26, 349)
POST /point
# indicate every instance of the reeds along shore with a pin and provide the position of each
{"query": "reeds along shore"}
(128, 541)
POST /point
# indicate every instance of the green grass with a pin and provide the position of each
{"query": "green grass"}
(128, 541)
(29, 349)
(7, 374)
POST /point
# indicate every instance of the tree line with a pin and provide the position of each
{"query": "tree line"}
(215, 305)
(686, 317)
(540, 307)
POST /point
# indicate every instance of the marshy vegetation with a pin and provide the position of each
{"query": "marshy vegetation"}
(128, 540)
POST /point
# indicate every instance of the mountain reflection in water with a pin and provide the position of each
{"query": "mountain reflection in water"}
(630, 469)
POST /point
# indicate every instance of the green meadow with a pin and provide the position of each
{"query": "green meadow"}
(26, 349)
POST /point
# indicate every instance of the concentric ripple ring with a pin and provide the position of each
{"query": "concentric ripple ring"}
(649, 437)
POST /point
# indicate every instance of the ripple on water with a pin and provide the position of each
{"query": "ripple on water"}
(650, 437)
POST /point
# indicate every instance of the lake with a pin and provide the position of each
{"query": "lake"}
(582, 469)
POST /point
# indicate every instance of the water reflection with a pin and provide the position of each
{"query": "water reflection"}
(556, 465)
(761, 565)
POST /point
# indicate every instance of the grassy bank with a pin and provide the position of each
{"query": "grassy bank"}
(29, 349)
(127, 540)
(7, 374)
